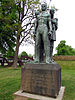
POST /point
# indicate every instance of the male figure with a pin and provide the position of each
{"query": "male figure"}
(42, 31)
(54, 22)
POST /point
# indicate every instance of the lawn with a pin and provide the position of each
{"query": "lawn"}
(10, 80)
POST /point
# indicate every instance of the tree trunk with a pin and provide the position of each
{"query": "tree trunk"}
(16, 51)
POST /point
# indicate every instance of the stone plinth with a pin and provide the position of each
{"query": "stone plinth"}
(25, 96)
(41, 79)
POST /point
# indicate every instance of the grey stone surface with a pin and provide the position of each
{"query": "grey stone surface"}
(41, 79)
(24, 96)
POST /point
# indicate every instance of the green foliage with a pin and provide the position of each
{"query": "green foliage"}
(24, 54)
(63, 49)
(9, 53)
(7, 20)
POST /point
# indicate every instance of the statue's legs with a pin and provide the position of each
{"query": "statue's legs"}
(51, 49)
(42, 33)
(46, 45)
(37, 48)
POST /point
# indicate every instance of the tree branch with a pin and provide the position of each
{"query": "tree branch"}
(22, 11)
(27, 25)
(25, 13)
(26, 34)
(26, 18)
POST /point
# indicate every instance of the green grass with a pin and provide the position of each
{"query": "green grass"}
(10, 80)
(68, 79)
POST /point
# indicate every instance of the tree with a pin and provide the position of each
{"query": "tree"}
(7, 21)
(24, 54)
(24, 24)
(63, 49)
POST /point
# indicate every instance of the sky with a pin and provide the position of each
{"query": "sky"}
(66, 24)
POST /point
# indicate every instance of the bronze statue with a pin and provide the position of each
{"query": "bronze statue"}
(54, 24)
(44, 33)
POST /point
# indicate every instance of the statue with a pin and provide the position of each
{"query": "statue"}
(44, 32)
(54, 23)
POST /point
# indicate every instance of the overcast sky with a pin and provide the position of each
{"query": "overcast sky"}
(66, 24)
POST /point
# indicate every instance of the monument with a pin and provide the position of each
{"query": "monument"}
(43, 77)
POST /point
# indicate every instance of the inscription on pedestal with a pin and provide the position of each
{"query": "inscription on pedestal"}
(42, 79)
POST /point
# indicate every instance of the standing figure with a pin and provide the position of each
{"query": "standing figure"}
(42, 32)
(54, 22)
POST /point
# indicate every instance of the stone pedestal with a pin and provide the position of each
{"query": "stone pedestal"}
(41, 79)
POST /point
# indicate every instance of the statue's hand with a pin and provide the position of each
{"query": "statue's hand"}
(49, 33)
(34, 32)
(34, 35)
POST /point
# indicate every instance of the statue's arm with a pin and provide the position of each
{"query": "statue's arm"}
(49, 25)
(55, 23)
(35, 27)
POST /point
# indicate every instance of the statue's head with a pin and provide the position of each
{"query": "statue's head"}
(52, 11)
(44, 6)
(36, 13)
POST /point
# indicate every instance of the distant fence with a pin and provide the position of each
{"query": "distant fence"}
(25, 59)
(64, 58)
(9, 62)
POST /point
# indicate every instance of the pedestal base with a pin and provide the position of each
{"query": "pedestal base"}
(41, 79)
(24, 96)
